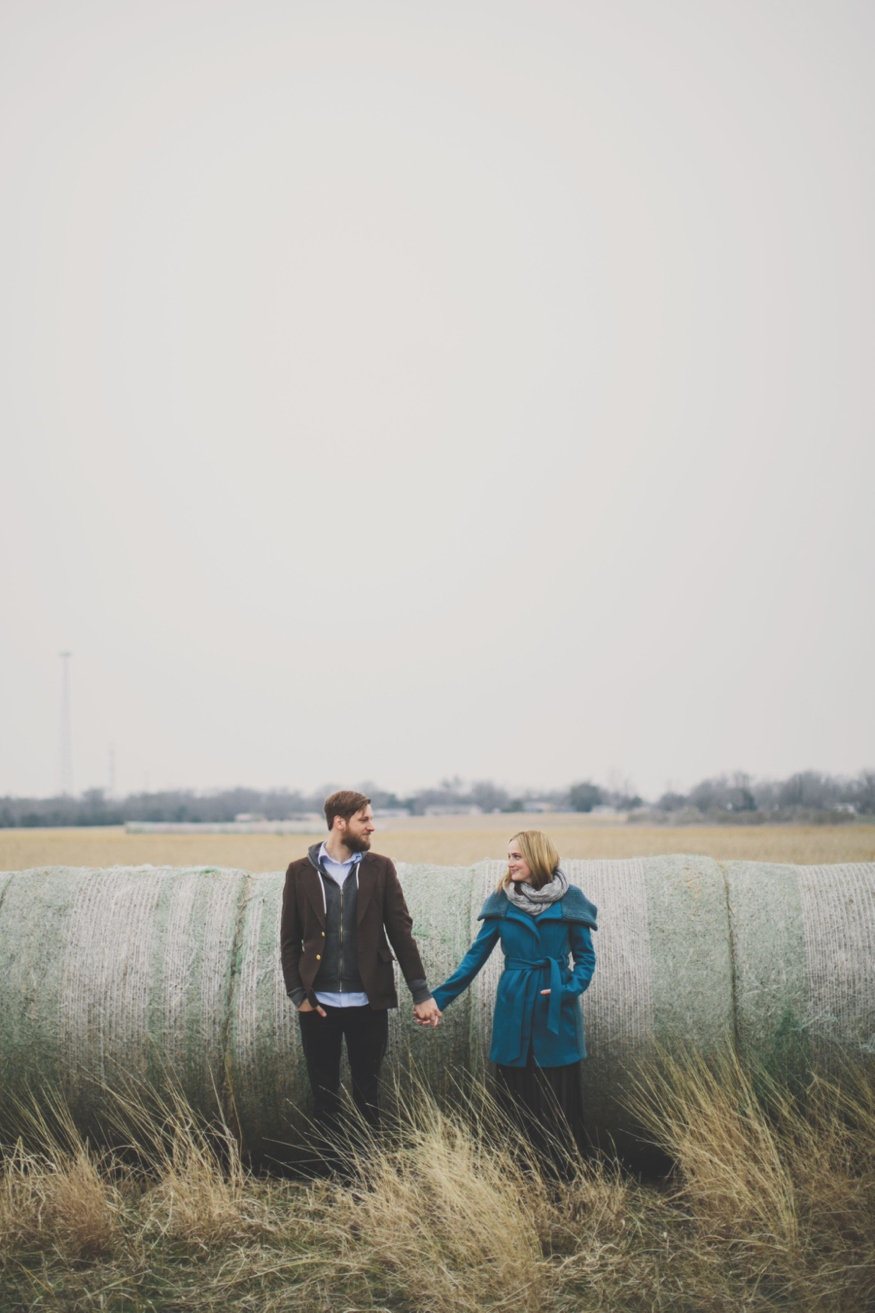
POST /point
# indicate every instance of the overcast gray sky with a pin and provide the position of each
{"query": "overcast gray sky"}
(400, 389)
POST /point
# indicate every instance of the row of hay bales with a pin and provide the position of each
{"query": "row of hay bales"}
(154, 977)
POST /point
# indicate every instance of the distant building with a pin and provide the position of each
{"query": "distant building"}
(458, 810)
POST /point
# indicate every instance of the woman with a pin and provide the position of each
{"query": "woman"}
(537, 1027)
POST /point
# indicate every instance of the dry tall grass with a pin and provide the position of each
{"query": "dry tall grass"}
(57, 1200)
(778, 1184)
(55, 1193)
(771, 1206)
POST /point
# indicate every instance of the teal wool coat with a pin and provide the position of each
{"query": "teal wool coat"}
(536, 951)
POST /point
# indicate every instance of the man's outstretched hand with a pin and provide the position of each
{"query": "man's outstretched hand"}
(427, 1013)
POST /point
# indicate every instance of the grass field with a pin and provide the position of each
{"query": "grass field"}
(771, 1207)
(445, 840)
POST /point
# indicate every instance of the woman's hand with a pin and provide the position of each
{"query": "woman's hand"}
(306, 1006)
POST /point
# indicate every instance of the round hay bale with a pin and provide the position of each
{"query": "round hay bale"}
(803, 942)
(120, 976)
(164, 978)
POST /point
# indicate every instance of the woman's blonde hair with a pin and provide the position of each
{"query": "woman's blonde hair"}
(540, 853)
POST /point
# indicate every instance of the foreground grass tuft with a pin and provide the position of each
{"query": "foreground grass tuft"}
(771, 1205)
(58, 1201)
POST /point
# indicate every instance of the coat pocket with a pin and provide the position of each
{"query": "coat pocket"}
(385, 955)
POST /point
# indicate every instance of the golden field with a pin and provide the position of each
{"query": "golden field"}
(445, 840)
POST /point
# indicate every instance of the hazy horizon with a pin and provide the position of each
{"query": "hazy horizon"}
(517, 790)
(394, 391)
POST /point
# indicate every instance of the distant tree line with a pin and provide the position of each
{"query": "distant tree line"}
(224, 805)
(808, 796)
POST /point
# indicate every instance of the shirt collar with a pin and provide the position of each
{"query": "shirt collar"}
(325, 856)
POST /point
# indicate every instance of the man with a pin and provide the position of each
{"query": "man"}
(340, 904)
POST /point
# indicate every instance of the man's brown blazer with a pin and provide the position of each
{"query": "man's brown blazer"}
(381, 912)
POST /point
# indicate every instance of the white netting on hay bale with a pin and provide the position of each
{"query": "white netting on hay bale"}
(163, 976)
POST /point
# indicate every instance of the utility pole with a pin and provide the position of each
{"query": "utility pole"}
(112, 770)
(66, 773)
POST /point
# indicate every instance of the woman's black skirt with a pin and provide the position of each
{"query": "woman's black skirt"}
(546, 1105)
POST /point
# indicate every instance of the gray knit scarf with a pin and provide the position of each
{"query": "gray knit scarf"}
(533, 901)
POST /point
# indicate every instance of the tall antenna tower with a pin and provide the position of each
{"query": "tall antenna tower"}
(66, 772)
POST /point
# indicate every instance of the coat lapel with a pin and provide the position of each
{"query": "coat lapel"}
(523, 919)
(367, 880)
(315, 893)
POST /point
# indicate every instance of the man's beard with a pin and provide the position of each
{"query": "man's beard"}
(356, 844)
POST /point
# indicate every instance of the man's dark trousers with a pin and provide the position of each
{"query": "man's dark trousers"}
(366, 1031)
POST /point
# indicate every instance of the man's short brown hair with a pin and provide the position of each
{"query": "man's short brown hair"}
(345, 803)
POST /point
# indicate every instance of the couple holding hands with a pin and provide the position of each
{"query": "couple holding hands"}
(342, 909)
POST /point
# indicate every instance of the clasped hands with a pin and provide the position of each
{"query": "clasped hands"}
(427, 1013)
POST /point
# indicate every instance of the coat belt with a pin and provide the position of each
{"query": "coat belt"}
(554, 965)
